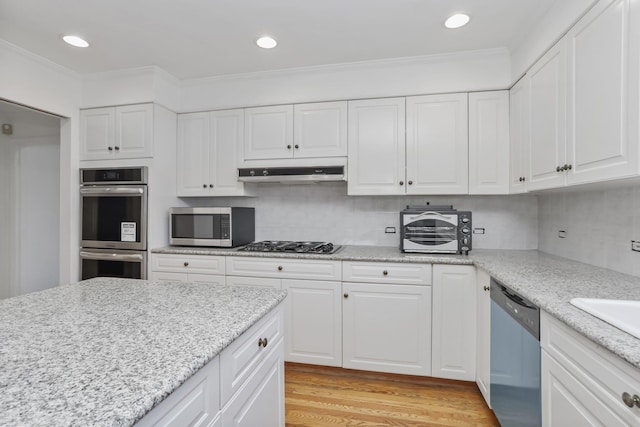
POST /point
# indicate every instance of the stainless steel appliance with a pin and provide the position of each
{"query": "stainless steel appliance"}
(292, 174)
(291, 247)
(217, 227)
(515, 358)
(435, 229)
(113, 222)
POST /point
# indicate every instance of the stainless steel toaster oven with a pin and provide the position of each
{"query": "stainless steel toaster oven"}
(435, 230)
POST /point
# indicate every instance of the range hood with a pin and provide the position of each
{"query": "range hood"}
(301, 174)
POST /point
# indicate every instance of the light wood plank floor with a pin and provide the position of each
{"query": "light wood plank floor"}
(322, 396)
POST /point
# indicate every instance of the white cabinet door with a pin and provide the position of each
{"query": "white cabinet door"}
(547, 119)
(519, 133)
(320, 129)
(227, 129)
(134, 131)
(437, 144)
(193, 154)
(97, 133)
(483, 334)
(376, 149)
(313, 319)
(387, 328)
(268, 132)
(599, 48)
(454, 322)
(260, 402)
(489, 142)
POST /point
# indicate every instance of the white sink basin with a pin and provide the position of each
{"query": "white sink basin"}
(622, 314)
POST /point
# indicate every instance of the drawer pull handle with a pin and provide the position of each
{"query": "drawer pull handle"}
(186, 264)
(279, 268)
(630, 401)
(262, 342)
(486, 288)
(385, 273)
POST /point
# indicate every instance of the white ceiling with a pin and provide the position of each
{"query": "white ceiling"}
(200, 38)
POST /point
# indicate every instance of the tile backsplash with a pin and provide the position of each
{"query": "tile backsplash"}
(598, 224)
(324, 212)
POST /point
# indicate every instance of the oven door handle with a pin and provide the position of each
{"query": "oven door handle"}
(111, 256)
(112, 190)
(431, 213)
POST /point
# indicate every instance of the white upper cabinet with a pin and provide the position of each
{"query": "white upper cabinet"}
(489, 142)
(519, 132)
(547, 119)
(437, 144)
(208, 153)
(124, 132)
(376, 150)
(599, 51)
(320, 129)
(268, 132)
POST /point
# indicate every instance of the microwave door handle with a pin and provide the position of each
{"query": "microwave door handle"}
(111, 190)
(431, 213)
(111, 256)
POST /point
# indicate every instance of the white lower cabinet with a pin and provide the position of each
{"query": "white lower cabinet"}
(454, 322)
(188, 268)
(582, 383)
(314, 322)
(483, 334)
(387, 328)
(243, 386)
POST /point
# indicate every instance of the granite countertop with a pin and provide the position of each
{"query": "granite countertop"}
(547, 280)
(106, 351)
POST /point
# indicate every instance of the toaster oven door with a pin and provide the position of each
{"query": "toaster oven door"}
(430, 232)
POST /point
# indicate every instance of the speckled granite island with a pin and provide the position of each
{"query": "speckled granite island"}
(107, 351)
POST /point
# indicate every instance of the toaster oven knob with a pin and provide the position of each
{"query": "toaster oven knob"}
(465, 241)
(465, 230)
(464, 220)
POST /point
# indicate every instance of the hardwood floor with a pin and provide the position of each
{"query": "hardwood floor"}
(322, 396)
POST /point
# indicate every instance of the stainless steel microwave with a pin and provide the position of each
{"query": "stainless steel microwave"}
(215, 227)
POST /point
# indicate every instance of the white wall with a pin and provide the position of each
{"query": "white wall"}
(6, 217)
(459, 72)
(599, 225)
(30, 80)
(324, 212)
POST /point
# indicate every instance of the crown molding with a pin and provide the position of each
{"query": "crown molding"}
(39, 59)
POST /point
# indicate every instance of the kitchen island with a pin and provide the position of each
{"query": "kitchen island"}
(107, 351)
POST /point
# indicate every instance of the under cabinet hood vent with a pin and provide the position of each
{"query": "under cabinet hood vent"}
(292, 174)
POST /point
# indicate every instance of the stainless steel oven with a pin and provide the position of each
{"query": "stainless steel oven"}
(113, 263)
(113, 222)
(435, 229)
(114, 208)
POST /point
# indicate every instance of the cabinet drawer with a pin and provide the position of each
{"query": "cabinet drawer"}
(200, 264)
(394, 273)
(254, 281)
(242, 357)
(284, 268)
(604, 374)
(194, 403)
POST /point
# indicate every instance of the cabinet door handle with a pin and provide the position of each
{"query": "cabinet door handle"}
(568, 167)
(486, 288)
(296, 146)
(630, 401)
(559, 169)
(401, 182)
(117, 148)
(110, 148)
(346, 295)
(410, 183)
(210, 185)
(288, 147)
(279, 268)
(186, 264)
(204, 185)
(385, 272)
(262, 342)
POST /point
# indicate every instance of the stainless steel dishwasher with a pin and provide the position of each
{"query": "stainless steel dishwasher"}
(515, 358)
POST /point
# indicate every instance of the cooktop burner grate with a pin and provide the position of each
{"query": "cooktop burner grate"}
(291, 247)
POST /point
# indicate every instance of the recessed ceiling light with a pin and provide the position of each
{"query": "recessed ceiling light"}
(266, 42)
(456, 21)
(75, 41)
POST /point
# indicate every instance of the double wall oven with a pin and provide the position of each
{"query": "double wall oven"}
(113, 223)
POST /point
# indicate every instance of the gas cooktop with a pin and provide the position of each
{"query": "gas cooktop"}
(291, 247)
